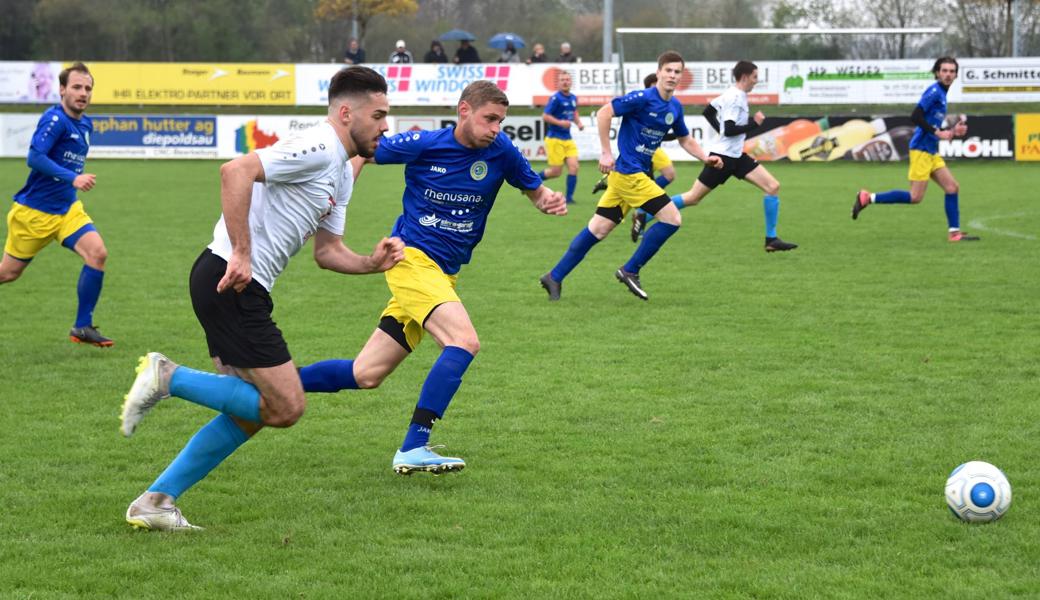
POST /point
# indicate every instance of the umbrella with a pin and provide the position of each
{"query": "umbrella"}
(457, 35)
(499, 41)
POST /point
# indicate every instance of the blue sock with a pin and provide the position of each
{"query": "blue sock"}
(893, 197)
(203, 452)
(572, 182)
(662, 181)
(328, 376)
(223, 393)
(676, 200)
(579, 247)
(771, 204)
(653, 239)
(953, 213)
(441, 384)
(89, 290)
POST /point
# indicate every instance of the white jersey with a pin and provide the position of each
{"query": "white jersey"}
(308, 182)
(730, 106)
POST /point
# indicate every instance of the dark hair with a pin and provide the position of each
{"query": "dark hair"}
(742, 68)
(63, 77)
(942, 60)
(669, 56)
(650, 80)
(482, 92)
(354, 81)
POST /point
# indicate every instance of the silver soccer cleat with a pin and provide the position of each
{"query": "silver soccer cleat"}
(151, 386)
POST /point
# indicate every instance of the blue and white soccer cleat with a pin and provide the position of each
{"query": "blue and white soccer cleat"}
(425, 459)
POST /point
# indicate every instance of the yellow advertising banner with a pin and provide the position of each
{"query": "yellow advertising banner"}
(1027, 137)
(219, 84)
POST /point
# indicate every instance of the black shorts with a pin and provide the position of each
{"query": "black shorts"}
(238, 325)
(738, 167)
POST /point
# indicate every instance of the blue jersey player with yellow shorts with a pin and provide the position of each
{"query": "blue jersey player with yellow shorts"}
(925, 163)
(452, 177)
(47, 209)
(559, 114)
(646, 117)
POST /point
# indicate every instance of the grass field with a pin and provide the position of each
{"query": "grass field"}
(766, 426)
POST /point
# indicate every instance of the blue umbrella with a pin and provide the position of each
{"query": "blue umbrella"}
(499, 41)
(457, 35)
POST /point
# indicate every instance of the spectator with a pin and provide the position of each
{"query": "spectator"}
(509, 54)
(401, 55)
(355, 54)
(436, 53)
(565, 54)
(466, 53)
(537, 54)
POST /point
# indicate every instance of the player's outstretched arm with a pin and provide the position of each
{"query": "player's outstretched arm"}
(548, 201)
(330, 253)
(357, 163)
(694, 149)
(606, 157)
(236, 193)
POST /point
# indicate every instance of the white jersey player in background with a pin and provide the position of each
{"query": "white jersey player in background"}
(273, 201)
(729, 116)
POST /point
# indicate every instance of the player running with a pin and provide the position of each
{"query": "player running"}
(452, 177)
(646, 117)
(273, 201)
(925, 163)
(47, 208)
(728, 115)
(560, 113)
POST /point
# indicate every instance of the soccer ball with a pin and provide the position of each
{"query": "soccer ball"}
(978, 492)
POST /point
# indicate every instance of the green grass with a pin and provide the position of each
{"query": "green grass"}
(766, 426)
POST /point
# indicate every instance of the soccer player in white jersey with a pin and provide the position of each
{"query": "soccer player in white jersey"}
(729, 116)
(273, 201)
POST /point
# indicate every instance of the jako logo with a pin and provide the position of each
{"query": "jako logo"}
(974, 147)
(437, 169)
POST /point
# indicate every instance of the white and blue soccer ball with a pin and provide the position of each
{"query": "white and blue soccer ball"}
(978, 492)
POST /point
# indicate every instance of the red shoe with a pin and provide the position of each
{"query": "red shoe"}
(862, 201)
(960, 236)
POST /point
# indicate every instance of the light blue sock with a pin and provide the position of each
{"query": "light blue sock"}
(653, 239)
(89, 290)
(440, 386)
(676, 200)
(203, 452)
(771, 205)
(892, 197)
(223, 393)
(580, 246)
(572, 182)
(662, 181)
(328, 376)
(953, 213)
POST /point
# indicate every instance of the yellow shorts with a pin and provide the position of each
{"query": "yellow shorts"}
(923, 164)
(558, 150)
(417, 286)
(660, 160)
(628, 191)
(30, 230)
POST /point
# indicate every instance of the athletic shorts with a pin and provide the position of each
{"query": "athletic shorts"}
(558, 150)
(660, 160)
(628, 191)
(417, 286)
(737, 167)
(30, 230)
(923, 164)
(238, 325)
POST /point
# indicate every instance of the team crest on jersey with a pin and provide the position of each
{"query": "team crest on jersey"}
(669, 118)
(478, 171)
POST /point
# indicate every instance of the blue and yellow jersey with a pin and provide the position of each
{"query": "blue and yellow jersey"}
(561, 106)
(645, 119)
(933, 103)
(450, 189)
(57, 154)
